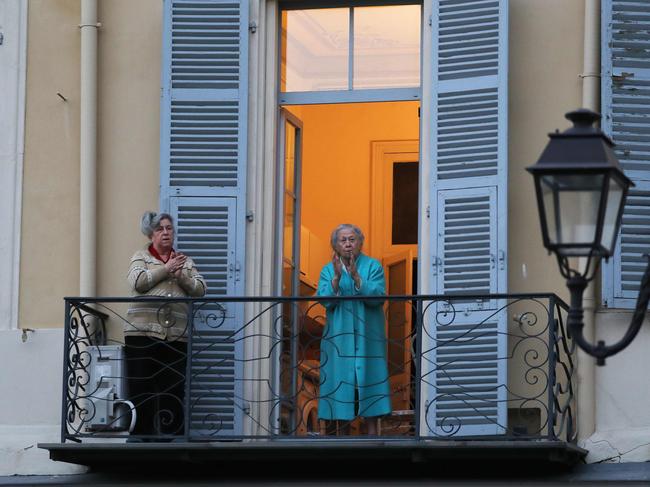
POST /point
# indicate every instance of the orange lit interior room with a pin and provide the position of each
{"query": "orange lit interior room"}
(357, 163)
(347, 156)
(349, 152)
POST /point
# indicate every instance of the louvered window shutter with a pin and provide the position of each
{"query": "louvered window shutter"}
(203, 181)
(626, 119)
(467, 356)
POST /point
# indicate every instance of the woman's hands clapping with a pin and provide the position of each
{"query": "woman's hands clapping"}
(354, 274)
(175, 264)
(338, 271)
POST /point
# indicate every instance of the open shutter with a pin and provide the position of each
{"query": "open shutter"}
(203, 182)
(467, 243)
(465, 356)
(626, 119)
(206, 230)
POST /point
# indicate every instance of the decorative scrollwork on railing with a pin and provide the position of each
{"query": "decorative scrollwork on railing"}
(446, 367)
(564, 397)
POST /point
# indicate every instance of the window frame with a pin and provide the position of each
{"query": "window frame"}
(363, 95)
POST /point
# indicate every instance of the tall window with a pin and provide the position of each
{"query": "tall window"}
(351, 48)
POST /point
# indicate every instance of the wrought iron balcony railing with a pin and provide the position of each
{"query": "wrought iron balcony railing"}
(486, 367)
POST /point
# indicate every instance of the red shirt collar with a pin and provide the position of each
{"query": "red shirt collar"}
(155, 253)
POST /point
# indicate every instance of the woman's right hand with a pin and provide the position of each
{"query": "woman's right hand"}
(338, 266)
(175, 263)
(338, 270)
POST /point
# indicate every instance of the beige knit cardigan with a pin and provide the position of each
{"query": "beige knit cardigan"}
(148, 276)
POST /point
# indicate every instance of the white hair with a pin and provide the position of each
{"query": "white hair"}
(151, 220)
(345, 226)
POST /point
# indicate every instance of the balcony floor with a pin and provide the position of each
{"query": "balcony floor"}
(285, 455)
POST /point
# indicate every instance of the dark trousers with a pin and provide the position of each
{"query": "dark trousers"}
(156, 384)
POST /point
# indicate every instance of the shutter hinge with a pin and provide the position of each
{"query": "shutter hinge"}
(428, 211)
(502, 259)
(437, 265)
(430, 21)
(2, 38)
(246, 407)
(250, 216)
(237, 271)
(252, 27)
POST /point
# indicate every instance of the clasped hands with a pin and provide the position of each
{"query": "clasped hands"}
(175, 264)
(338, 271)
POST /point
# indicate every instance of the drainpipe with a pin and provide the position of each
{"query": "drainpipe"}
(590, 100)
(253, 242)
(88, 150)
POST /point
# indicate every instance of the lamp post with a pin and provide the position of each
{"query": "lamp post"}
(581, 192)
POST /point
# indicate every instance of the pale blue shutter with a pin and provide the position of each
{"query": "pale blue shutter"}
(626, 119)
(203, 182)
(206, 230)
(465, 357)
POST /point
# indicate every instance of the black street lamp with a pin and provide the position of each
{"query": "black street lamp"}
(581, 192)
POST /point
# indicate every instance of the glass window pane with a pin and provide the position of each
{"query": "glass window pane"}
(579, 217)
(608, 238)
(315, 46)
(550, 209)
(573, 208)
(289, 222)
(387, 47)
(289, 157)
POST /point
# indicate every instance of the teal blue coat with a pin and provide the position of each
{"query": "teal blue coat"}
(353, 346)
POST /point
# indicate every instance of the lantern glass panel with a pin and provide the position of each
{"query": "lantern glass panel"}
(614, 199)
(571, 203)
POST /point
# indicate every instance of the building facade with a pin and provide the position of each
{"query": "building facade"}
(268, 123)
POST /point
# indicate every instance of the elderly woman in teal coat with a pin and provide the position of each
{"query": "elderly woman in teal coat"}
(353, 370)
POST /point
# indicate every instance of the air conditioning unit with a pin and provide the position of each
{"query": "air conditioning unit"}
(108, 408)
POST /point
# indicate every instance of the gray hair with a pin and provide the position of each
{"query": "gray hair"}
(345, 226)
(151, 220)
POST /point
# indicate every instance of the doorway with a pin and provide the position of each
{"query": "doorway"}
(358, 164)
(348, 163)
(350, 79)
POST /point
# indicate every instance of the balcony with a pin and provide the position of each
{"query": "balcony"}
(474, 377)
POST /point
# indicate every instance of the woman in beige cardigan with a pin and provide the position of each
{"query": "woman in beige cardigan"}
(156, 333)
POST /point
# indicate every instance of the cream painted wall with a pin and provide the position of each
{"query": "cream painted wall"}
(545, 53)
(49, 252)
(128, 133)
(127, 153)
(545, 60)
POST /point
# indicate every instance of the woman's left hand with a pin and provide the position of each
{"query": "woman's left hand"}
(354, 274)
